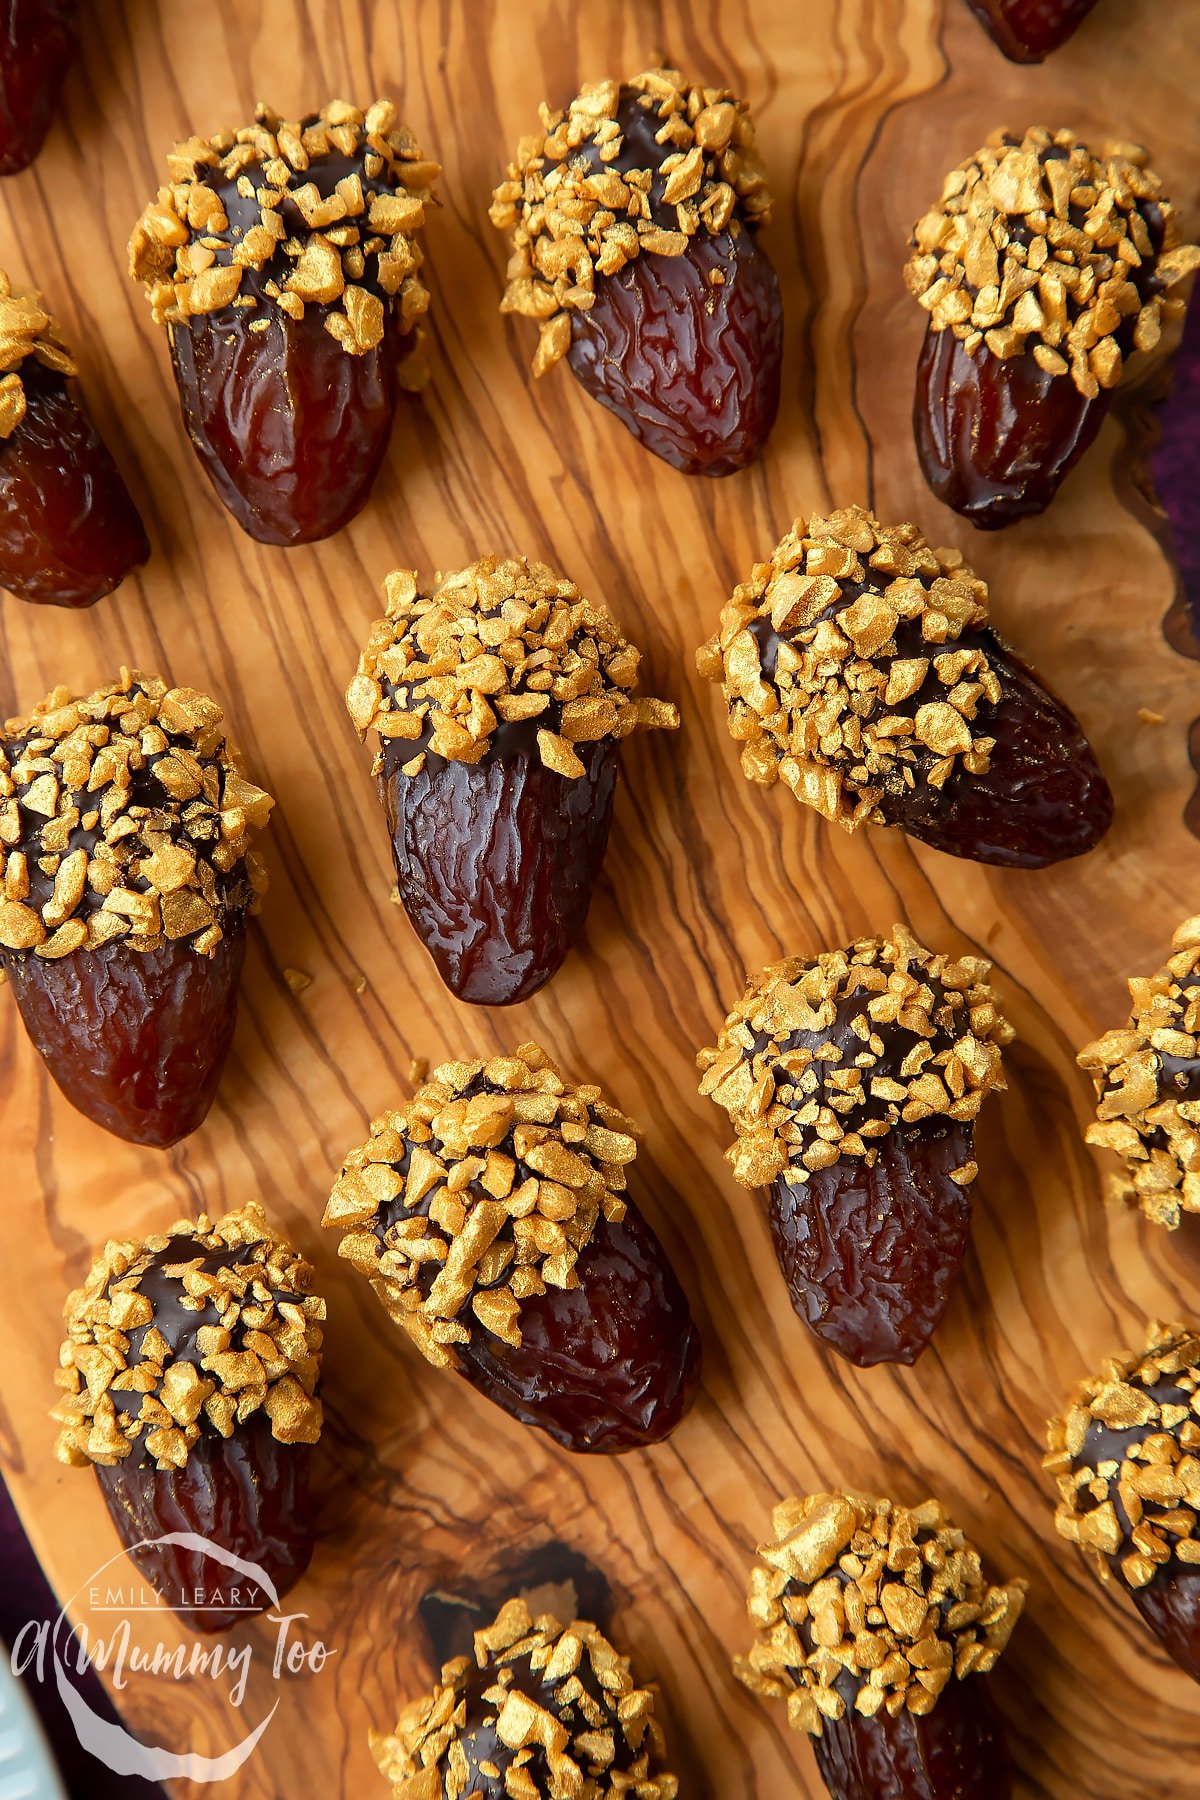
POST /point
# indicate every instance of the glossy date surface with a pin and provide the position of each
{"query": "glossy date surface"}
(69, 530)
(1043, 798)
(248, 1494)
(871, 1253)
(496, 862)
(290, 429)
(686, 351)
(37, 41)
(996, 437)
(608, 1366)
(1029, 30)
(956, 1752)
(136, 1040)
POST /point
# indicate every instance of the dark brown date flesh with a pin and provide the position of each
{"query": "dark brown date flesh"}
(997, 436)
(1170, 1606)
(69, 531)
(136, 1040)
(496, 863)
(871, 1254)
(248, 1494)
(692, 368)
(37, 40)
(1044, 797)
(956, 1752)
(1029, 30)
(290, 429)
(611, 1365)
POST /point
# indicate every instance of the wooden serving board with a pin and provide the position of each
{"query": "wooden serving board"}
(861, 105)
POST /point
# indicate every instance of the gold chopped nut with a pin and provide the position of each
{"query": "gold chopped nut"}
(1125, 1456)
(26, 329)
(479, 1193)
(572, 214)
(806, 1077)
(128, 1390)
(358, 245)
(854, 666)
(145, 775)
(297, 980)
(893, 1599)
(1147, 1080)
(1038, 245)
(559, 1698)
(500, 654)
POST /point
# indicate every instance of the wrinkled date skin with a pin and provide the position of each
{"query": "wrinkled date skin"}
(685, 350)
(691, 368)
(871, 1254)
(289, 428)
(249, 1494)
(1043, 798)
(608, 1366)
(136, 1040)
(37, 39)
(996, 437)
(496, 862)
(956, 1752)
(1171, 1608)
(69, 531)
(1029, 30)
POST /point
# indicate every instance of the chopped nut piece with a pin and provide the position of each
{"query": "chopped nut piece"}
(559, 1700)
(1147, 1080)
(839, 668)
(26, 329)
(1033, 247)
(481, 1191)
(129, 815)
(825, 1055)
(572, 214)
(498, 647)
(857, 1591)
(246, 1326)
(1125, 1455)
(358, 245)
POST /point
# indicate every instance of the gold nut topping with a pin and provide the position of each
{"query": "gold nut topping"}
(893, 1598)
(825, 1055)
(1147, 1080)
(26, 329)
(480, 1192)
(560, 1700)
(500, 652)
(572, 214)
(357, 245)
(255, 1343)
(125, 814)
(1037, 245)
(854, 666)
(1125, 1455)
